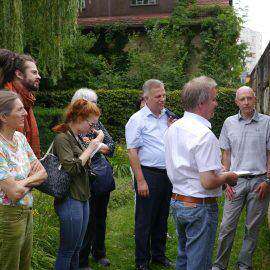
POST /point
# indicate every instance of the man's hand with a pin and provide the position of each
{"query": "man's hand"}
(231, 178)
(262, 190)
(230, 191)
(170, 121)
(143, 190)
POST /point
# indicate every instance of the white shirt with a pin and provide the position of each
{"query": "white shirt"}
(191, 147)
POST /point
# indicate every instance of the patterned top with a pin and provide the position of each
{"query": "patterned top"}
(16, 162)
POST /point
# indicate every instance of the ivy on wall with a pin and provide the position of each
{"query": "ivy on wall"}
(195, 40)
(208, 37)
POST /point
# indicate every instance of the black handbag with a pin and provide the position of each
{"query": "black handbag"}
(58, 182)
(101, 176)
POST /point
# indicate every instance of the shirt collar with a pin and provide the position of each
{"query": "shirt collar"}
(255, 116)
(198, 118)
(148, 112)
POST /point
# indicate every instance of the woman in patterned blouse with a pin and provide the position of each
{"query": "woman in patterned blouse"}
(20, 170)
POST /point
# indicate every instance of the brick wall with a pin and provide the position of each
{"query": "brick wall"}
(111, 9)
(103, 8)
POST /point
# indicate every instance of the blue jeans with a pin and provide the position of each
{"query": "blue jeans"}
(196, 226)
(73, 216)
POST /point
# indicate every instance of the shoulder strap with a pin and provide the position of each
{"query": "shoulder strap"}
(78, 143)
(48, 151)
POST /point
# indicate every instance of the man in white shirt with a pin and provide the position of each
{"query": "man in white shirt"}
(193, 162)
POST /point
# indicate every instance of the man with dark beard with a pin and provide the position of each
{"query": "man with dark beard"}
(25, 79)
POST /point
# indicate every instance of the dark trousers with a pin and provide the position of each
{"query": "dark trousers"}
(94, 239)
(151, 216)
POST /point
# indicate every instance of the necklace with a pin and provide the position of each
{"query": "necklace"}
(10, 142)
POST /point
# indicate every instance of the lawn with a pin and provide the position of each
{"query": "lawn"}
(120, 234)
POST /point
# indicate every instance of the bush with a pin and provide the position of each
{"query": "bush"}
(46, 119)
(117, 107)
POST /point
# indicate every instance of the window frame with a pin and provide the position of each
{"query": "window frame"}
(139, 5)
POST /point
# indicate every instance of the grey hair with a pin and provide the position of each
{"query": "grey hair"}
(85, 93)
(7, 99)
(148, 85)
(197, 91)
(245, 87)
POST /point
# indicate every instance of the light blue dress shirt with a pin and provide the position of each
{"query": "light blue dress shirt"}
(146, 131)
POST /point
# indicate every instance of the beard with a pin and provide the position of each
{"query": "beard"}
(29, 85)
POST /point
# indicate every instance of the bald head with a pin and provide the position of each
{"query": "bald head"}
(245, 100)
(243, 90)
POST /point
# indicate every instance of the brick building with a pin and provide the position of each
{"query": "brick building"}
(133, 12)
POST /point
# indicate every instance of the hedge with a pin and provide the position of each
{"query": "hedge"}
(117, 107)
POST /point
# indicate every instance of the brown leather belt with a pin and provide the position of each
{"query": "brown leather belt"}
(188, 199)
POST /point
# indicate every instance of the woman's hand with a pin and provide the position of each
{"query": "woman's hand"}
(14, 189)
(36, 176)
(100, 134)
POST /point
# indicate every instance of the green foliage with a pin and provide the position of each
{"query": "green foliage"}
(41, 28)
(160, 55)
(46, 119)
(117, 107)
(224, 59)
(195, 40)
(82, 67)
(120, 162)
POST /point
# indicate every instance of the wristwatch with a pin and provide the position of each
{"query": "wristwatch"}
(267, 181)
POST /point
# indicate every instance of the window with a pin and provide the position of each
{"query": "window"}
(143, 2)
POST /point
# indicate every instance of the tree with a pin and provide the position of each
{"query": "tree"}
(41, 28)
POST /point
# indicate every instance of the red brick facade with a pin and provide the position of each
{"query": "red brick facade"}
(107, 11)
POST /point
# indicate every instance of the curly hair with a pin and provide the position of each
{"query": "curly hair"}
(7, 66)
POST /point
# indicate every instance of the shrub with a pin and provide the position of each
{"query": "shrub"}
(117, 107)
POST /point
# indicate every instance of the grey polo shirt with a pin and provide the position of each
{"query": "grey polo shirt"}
(248, 141)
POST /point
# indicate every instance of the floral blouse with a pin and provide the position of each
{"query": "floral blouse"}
(16, 162)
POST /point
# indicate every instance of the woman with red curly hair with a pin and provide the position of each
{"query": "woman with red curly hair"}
(73, 211)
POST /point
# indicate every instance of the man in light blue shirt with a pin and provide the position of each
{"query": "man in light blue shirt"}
(145, 132)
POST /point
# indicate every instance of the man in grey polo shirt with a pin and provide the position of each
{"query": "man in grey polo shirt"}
(246, 143)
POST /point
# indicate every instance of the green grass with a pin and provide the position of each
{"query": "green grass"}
(120, 234)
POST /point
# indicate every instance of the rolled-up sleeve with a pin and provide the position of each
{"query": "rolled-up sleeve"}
(224, 141)
(133, 133)
(207, 154)
(71, 164)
